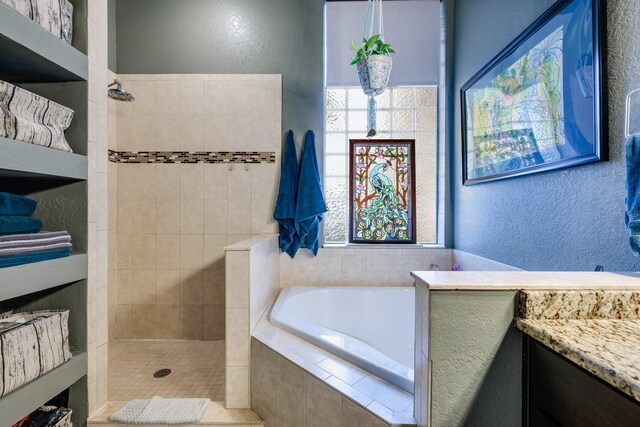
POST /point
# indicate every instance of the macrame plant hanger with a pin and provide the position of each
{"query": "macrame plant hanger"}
(375, 81)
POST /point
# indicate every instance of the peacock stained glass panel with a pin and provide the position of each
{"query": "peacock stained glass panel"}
(382, 191)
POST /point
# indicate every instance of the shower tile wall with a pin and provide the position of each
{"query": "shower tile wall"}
(173, 220)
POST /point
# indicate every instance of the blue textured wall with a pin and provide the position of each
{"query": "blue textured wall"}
(570, 219)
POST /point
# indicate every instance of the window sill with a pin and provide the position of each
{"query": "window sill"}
(397, 246)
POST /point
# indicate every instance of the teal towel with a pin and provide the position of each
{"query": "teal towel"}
(19, 224)
(310, 203)
(285, 209)
(13, 260)
(632, 201)
(12, 204)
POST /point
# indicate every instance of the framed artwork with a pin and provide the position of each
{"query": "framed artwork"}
(382, 191)
(538, 105)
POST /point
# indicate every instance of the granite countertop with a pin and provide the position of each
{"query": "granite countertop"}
(518, 280)
(597, 330)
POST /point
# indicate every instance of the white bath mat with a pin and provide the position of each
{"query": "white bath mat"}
(161, 411)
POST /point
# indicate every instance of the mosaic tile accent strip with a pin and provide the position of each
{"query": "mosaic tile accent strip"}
(192, 156)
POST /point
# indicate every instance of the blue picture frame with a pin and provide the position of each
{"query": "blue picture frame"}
(539, 104)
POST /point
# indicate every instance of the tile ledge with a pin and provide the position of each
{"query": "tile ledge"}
(382, 246)
(251, 243)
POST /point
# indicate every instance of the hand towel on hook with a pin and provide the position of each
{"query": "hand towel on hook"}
(285, 209)
(310, 203)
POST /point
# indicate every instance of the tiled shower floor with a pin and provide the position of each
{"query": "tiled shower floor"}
(197, 369)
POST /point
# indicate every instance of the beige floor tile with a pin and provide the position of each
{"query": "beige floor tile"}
(197, 369)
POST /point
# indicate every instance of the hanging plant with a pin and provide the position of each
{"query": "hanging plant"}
(373, 46)
(373, 61)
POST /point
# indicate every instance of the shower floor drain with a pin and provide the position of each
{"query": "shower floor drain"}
(162, 373)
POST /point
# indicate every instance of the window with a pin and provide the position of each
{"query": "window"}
(403, 112)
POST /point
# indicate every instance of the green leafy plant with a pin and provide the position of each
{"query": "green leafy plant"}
(373, 46)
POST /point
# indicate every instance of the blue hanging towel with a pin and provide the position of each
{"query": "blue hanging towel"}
(310, 204)
(285, 209)
(632, 201)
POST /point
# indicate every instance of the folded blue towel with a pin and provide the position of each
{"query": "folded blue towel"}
(12, 204)
(632, 201)
(285, 209)
(13, 260)
(19, 224)
(310, 203)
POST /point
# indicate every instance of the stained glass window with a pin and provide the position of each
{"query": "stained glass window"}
(403, 113)
(382, 191)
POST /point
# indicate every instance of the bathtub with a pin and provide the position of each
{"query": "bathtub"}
(371, 327)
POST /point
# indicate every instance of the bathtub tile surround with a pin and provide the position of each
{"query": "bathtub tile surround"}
(320, 398)
(593, 329)
(336, 266)
(353, 415)
(361, 266)
(181, 200)
(322, 405)
(342, 370)
(391, 397)
(290, 387)
(382, 400)
(252, 275)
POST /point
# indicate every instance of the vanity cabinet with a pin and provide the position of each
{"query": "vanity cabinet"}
(558, 393)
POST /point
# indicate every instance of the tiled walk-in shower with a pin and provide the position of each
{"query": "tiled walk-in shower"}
(197, 369)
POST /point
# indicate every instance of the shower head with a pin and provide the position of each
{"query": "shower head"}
(118, 93)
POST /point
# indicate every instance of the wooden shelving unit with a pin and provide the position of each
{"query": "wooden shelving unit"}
(31, 396)
(48, 66)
